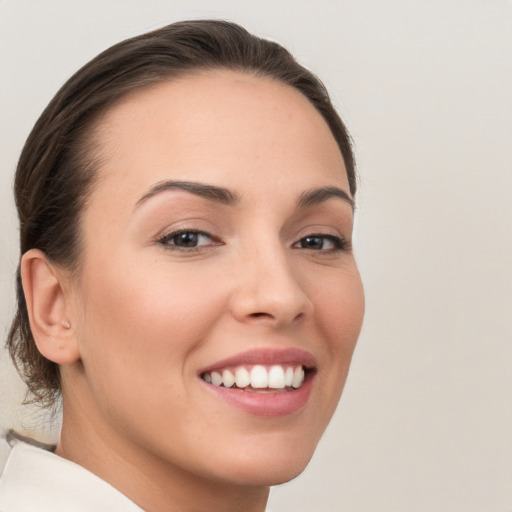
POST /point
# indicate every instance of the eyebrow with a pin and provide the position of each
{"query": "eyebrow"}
(319, 195)
(211, 192)
(225, 196)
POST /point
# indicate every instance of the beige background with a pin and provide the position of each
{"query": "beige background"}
(426, 88)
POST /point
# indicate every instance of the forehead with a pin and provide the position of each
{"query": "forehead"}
(218, 127)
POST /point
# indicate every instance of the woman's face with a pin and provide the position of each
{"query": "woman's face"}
(217, 245)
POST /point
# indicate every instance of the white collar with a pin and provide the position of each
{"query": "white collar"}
(35, 479)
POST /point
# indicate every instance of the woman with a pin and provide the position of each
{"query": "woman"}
(187, 281)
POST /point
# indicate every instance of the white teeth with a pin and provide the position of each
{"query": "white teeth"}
(228, 378)
(216, 379)
(298, 377)
(259, 377)
(288, 376)
(242, 377)
(276, 377)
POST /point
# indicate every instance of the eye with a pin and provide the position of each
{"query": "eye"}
(186, 240)
(326, 243)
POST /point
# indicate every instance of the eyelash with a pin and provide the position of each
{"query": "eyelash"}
(339, 243)
(166, 239)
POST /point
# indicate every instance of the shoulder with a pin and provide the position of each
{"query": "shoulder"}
(37, 479)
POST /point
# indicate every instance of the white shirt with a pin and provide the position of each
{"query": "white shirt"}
(35, 480)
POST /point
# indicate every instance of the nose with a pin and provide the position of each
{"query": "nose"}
(268, 290)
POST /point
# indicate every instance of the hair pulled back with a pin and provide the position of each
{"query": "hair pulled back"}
(57, 166)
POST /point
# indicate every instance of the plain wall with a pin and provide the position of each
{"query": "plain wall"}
(425, 86)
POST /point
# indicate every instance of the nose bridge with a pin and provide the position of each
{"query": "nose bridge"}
(268, 288)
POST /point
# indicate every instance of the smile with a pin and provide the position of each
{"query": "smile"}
(258, 377)
(263, 382)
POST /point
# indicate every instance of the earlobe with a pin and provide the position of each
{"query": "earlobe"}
(46, 299)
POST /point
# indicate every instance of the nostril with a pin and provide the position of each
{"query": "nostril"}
(257, 315)
(270, 316)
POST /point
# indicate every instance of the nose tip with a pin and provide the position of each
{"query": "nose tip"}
(273, 296)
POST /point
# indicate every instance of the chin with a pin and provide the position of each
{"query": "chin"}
(277, 476)
(266, 475)
(269, 466)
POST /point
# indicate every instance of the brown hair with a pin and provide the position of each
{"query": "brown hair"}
(57, 167)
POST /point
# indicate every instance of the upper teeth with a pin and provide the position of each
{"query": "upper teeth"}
(258, 377)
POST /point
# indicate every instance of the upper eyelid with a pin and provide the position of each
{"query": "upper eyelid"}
(331, 236)
(309, 231)
(165, 240)
(183, 228)
(177, 232)
(319, 230)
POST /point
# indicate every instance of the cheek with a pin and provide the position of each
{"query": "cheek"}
(339, 306)
(144, 321)
(339, 312)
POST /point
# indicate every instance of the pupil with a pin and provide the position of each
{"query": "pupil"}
(186, 240)
(314, 242)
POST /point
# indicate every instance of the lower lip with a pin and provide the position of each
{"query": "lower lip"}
(265, 404)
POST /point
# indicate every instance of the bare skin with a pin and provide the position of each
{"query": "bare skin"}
(261, 271)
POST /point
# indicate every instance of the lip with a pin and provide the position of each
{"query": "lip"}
(292, 356)
(266, 403)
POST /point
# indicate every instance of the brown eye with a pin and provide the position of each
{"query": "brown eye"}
(312, 242)
(327, 243)
(186, 239)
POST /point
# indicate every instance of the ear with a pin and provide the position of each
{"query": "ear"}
(46, 299)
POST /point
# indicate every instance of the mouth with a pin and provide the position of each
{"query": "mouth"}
(263, 382)
(259, 378)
